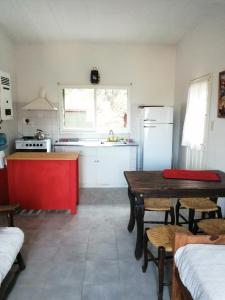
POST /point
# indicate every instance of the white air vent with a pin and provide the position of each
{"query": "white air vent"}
(5, 96)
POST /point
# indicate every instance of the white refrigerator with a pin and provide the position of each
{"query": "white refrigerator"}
(156, 138)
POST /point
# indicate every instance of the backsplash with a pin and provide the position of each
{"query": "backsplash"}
(48, 121)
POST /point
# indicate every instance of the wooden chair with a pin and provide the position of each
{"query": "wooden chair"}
(10, 237)
(160, 205)
(161, 237)
(212, 226)
(205, 206)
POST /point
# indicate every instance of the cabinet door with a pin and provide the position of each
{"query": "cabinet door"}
(113, 161)
(88, 171)
(126, 161)
(106, 167)
(88, 167)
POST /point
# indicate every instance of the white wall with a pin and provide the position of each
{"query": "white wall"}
(201, 52)
(150, 69)
(7, 64)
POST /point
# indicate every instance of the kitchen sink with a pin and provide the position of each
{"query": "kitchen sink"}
(93, 143)
(114, 143)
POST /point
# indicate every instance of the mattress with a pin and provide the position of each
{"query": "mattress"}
(202, 270)
(11, 241)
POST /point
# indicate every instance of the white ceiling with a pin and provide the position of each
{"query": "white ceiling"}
(134, 21)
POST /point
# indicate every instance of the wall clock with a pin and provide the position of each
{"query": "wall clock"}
(94, 77)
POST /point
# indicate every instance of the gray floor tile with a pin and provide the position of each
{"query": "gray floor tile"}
(102, 292)
(101, 272)
(24, 292)
(72, 237)
(86, 256)
(126, 248)
(39, 253)
(66, 273)
(75, 252)
(61, 292)
(138, 292)
(131, 272)
(102, 251)
(102, 235)
(35, 273)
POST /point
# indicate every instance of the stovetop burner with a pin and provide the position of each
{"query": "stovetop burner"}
(27, 137)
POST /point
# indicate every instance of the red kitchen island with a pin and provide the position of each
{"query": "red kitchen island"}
(47, 181)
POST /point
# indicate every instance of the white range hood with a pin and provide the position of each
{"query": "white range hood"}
(40, 103)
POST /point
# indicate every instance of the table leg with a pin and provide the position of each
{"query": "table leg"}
(214, 199)
(131, 223)
(139, 215)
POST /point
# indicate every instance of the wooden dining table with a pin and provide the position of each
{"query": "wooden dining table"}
(151, 184)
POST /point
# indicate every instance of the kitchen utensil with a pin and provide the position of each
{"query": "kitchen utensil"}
(39, 135)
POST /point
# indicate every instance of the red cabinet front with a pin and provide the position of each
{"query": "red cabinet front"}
(44, 184)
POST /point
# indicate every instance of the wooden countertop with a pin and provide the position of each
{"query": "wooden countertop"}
(43, 156)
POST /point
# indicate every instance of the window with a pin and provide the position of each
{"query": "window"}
(195, 130)
(79, 108)
(196, 113)
(95, 109)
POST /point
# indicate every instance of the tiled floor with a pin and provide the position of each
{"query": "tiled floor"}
(89, 256)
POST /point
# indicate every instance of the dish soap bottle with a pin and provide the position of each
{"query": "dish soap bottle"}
(111, 136)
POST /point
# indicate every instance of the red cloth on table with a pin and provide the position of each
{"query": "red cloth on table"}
(191, 175)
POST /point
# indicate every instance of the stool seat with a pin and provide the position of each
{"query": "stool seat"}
(212, 226)
(157, 204)
(199, 204)
(163, 236)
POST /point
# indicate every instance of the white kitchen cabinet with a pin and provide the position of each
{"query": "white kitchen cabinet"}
(103, 166)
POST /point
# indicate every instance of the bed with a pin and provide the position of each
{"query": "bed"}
(199, 267)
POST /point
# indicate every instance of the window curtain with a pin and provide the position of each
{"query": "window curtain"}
(195, 117)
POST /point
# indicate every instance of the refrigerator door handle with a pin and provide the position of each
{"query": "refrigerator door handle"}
(150, 120)
(150, 126)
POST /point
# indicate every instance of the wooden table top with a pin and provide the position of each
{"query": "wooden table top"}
(152, 184)
(43, 156)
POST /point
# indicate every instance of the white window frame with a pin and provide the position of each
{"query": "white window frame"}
(92, 130)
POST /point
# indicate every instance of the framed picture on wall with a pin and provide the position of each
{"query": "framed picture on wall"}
(221, 96)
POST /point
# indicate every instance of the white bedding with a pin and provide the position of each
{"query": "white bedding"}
(202, 270)
(11, 241)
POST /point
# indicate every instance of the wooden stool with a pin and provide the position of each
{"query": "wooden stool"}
(161, 237)
(202, 205)
(212, 226)
(160, 205)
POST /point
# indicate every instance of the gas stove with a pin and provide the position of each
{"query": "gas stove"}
(30, 144)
